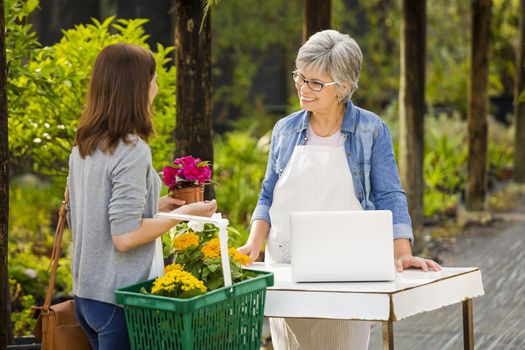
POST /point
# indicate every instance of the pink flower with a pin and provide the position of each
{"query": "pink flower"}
(205, 175)
(187, 172)
(169, 175)
(191, 172)
(186, 161)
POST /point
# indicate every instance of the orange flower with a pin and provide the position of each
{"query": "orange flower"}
(185, 241)
(212, 249)
(238, 257)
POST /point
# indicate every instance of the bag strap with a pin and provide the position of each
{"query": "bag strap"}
(57, 245)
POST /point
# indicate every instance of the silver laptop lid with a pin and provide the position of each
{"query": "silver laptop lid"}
(337, 246)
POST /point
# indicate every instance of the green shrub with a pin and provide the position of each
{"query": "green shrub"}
(240, 165)
(30, 268)
(500, 149)
(22, 321)
(33, 207)
(29, 277)
(444, 164)
(446, 157)
(47, 88)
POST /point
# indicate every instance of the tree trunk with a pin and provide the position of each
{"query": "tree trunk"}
(519, 103)
(4, 188)
(317, 17)
(412, 110)
(193, 132)
(477, 108)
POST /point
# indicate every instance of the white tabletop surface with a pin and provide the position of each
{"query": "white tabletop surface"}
(412, 292)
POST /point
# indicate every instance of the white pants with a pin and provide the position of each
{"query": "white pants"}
(316, 334)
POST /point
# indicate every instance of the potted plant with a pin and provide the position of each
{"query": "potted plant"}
(187, 178)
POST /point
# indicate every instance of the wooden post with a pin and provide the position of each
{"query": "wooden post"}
(193, 132)
(4, 189)
(477, 108)
(468, 325)
(412, 110)
(519, 106)
(317, 17)
(388, 335)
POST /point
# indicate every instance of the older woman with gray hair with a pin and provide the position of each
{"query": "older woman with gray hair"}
(359, 172)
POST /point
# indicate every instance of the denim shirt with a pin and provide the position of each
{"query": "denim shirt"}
(370, 156)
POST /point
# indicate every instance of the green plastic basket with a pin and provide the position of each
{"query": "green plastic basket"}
(226, 318)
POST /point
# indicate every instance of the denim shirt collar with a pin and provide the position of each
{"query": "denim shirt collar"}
(349, 121)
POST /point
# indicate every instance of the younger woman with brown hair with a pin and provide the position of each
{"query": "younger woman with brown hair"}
(114, 191)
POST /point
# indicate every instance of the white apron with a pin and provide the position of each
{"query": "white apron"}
(157, 264)
(315, 178)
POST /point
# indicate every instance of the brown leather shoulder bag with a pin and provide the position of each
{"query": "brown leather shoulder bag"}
(57, 325)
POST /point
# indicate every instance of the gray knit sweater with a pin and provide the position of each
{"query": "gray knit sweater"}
(109, 195)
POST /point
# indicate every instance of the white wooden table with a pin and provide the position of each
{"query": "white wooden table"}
(412, 292)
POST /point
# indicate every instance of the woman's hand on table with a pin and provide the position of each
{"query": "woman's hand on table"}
(407, 261)
(258, 235)
(251, 249)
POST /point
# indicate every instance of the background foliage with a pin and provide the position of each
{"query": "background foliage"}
(47, 88)
(244, 55)
(33, 209)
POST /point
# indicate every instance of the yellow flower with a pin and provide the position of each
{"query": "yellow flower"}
(172, 267)
(238, 257)
(185, 241)
(176, 282)
(212, 249)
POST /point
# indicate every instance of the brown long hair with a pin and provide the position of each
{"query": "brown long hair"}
(117, 102)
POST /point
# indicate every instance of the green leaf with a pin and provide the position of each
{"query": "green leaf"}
(214, 267)
(215, 283)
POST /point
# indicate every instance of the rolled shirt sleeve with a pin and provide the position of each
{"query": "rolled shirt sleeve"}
(387, 192)
(262, 210)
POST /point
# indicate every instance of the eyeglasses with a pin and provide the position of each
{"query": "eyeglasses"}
(316, 86)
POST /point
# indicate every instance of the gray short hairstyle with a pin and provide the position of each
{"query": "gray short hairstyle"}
(335, 54)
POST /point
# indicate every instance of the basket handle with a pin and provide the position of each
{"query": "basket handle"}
(225, 260)
(217, 220)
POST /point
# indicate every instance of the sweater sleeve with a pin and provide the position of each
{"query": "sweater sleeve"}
(129, 189)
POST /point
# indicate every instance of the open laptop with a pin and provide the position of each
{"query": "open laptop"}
(342, 246)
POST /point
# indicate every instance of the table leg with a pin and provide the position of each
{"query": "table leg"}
(388, 335)
(468, 325)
